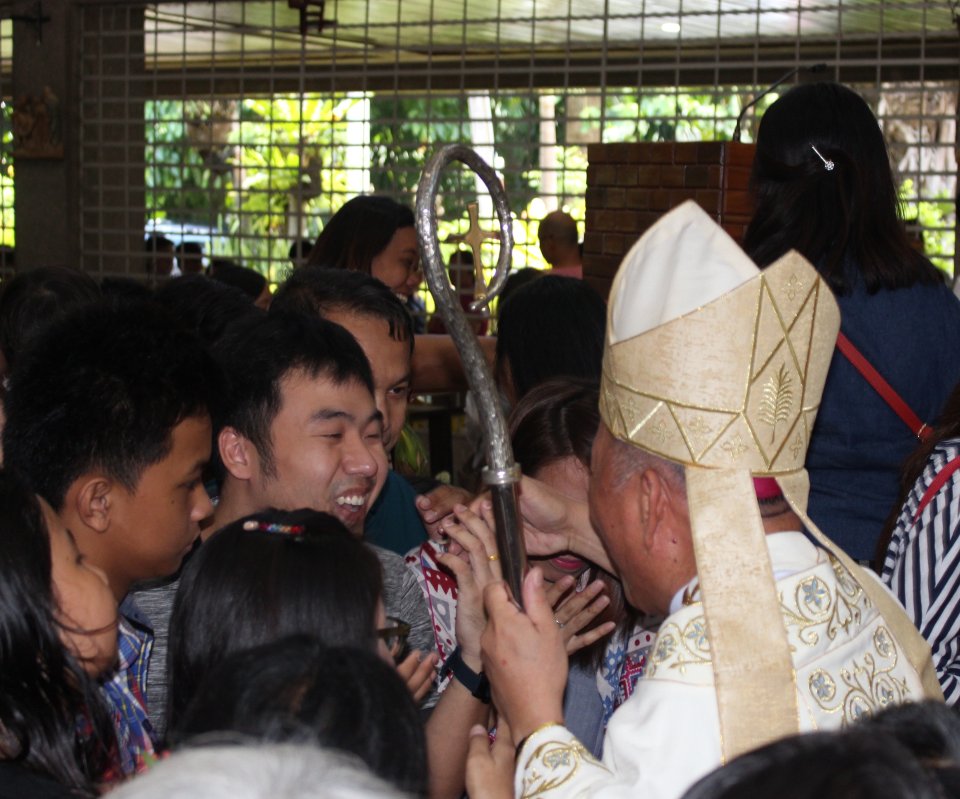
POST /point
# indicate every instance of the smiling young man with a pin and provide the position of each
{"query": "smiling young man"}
(381, 325)
(300, 427)
(108, 419)
(301, 430)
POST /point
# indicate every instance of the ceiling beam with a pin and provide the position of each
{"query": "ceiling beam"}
(729, 63)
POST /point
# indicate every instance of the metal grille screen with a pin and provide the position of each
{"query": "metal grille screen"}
(7, 217)
(221, 123)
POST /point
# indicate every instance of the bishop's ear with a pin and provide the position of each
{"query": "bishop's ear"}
(658, 498)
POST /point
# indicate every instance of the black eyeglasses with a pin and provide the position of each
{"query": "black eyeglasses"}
(394, 636)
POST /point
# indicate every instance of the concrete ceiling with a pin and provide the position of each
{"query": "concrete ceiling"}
(421, 27)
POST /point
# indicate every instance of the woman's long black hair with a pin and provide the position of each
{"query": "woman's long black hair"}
(52, 719)
(845, 220)
(295, 689)
(359, 232)
(266, 576)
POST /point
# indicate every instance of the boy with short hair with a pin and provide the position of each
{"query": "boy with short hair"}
(108, 419)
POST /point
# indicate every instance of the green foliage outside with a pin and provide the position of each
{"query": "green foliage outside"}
(7, 229)
(258, 171)
(684, 116)
(402, 132)
(933, 217)
(247, 173)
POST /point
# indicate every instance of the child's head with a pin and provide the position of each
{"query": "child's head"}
(258, 771)
(266, 576)
(58, 624)
(296, 689)
(108, 419)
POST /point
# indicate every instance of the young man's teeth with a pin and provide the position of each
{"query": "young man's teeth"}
(355, 501)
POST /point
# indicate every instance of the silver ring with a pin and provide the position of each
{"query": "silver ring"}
(559, 623)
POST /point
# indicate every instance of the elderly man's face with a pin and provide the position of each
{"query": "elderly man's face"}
(651, 567)
(608, 511)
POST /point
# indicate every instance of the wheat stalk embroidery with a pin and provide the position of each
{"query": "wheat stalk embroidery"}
(777, 400)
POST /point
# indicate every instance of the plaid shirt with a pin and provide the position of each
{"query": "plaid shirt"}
(125, 693)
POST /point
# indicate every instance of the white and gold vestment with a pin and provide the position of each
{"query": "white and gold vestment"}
(719, 367)
(667, 734)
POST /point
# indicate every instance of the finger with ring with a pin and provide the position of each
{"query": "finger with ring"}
(559, 623)
(494, 556)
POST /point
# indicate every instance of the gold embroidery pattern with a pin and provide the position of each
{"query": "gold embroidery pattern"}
(677, 648)
(551, 765)
(848, 585)
(734, 448)
(659, 431)
(700, 428)
(822, 686)
(865, 685)
(777, 400)
(807, 312)
(797, 446)
(816, 610)
(794, 286)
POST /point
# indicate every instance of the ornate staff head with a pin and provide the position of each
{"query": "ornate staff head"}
(501, 473)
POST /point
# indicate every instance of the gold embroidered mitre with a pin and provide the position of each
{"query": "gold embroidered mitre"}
(734, 382)
(714, 364)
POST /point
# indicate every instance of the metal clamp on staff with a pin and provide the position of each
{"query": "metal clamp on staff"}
(501, 473)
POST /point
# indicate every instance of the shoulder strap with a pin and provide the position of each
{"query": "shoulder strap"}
(939, 481)
(887, 393)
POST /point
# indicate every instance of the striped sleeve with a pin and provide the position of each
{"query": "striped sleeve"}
(921, 567)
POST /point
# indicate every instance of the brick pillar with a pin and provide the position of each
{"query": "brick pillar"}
(630, 186)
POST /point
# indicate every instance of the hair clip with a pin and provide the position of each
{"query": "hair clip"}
(269, 527)
(827, 163)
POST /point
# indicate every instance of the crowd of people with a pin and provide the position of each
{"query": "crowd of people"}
(216, 581)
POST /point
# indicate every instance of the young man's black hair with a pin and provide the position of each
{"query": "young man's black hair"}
(32, 300)
(109, 419)
(262, 350)
(102, 389)
(317, 290)
(208, 307)
(551, 327)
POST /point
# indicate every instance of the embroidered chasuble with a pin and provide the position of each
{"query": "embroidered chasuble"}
(713, 365)
(667, 734)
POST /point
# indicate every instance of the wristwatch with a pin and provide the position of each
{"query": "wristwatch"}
(477, 684)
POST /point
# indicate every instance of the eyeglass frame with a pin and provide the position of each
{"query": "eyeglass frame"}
(398, 629)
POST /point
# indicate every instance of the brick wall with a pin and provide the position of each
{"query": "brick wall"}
(630, 186)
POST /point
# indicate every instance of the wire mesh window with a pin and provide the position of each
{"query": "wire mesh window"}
(7, 217)
(245, 125)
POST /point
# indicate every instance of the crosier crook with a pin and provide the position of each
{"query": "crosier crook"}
(501, 473)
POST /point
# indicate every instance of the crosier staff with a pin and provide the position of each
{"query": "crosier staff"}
(501, 473)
